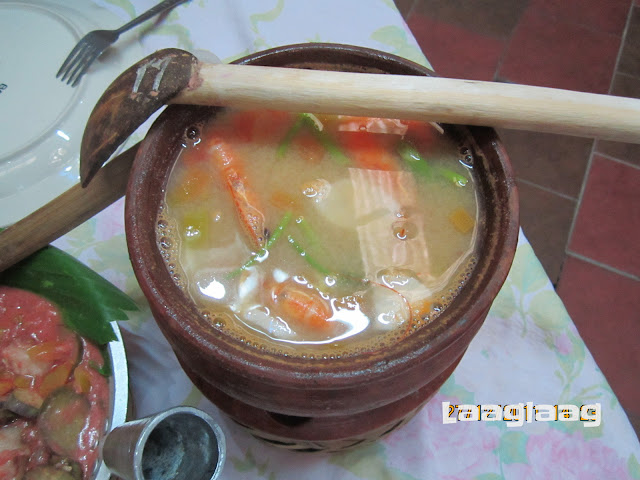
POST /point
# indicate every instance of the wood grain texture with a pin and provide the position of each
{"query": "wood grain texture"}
(66, 211)
(418, 98)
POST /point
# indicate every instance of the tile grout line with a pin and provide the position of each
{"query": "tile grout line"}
(604, 266)
(627, 25)
(409, 13)
(618, 160)
(546, 189)
(413, 7)
(593, 147)
(505, 49)
(583, 187)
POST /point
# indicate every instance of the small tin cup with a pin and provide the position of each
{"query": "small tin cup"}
(182, 443)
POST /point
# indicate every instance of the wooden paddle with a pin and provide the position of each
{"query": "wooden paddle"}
(175, 76)
(66, 211)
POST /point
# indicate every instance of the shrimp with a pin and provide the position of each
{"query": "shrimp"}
(245, 199)
(303, 305)
(372, 125)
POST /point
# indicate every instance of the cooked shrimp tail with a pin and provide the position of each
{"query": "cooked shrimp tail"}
(245, 199)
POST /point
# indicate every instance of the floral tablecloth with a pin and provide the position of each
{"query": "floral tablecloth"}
(528, 350)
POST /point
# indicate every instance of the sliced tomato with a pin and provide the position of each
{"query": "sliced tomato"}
(370, 150)
(309, 147)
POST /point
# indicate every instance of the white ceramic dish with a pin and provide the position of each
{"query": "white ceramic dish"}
(119, 392)
(40, 144)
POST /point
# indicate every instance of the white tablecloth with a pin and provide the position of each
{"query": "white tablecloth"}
(527, 351)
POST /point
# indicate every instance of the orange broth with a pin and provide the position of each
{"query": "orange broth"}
(319, 235)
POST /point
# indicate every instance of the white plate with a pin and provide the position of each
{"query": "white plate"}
(43, 118)
(119, 392)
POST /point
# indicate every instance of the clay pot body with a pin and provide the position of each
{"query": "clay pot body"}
(317, 404)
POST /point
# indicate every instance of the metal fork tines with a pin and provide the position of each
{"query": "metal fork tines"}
(84, 54)
(91, 46)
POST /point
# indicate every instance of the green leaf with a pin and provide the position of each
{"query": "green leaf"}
(504, 305)
(396, 37)
(548, 312)
(87, 301)
(268, 16)
(244, 465)
(526, 272)
(489, 476)
(194, 397)
(369, 462)
(126, 5)
(634, 467)
(452, 389)
(573, 427)
(513, 447)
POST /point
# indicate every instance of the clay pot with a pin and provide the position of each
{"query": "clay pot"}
(318, 404)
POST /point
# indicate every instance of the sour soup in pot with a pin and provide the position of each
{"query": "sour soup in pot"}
(319, 277)
(319, 235)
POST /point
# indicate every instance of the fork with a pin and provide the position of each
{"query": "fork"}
(91, 46)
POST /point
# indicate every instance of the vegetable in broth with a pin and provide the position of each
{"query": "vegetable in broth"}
(319, 234)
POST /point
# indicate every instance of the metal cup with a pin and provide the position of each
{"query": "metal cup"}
(182, 443)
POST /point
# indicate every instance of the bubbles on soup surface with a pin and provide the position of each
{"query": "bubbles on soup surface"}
(357, 249)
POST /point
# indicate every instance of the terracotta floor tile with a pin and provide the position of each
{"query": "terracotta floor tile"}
(551, 52)
(609, 16)
(454, 51)
(630, 55)
(404, 6)
(546, 219)
(604, 306)
(625, 86)
(494, 18)
(634, 419)
(557, 162)
(607, 227)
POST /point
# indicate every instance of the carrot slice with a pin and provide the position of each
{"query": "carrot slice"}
(309, 146)
(370, 150)
(461, 220)
(6, 383)
(56, 378)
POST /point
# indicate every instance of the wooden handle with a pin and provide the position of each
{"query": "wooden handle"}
(66, 211)
(418, 98)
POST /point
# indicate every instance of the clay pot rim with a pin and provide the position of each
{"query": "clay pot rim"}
(276, 369)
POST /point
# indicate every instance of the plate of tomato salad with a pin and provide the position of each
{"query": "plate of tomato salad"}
(63, 371)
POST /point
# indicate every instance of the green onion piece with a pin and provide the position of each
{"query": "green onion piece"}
(288, 138)
(307, 231)
(307, 120)
(275, 235)
(457, 179)
(310, 260)
(412, 157)
(420, 166)
(334, 150)
(325, 140)
(310, 235)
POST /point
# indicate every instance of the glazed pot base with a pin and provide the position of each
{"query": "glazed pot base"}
(322, 434)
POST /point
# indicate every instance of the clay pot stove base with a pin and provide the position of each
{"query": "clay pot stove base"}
(320, 404)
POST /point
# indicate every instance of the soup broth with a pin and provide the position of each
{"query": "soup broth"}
(316, 235)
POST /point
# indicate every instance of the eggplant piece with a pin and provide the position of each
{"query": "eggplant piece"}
(6, 415)
(63, 416)
(47, 472)
(22, 403)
